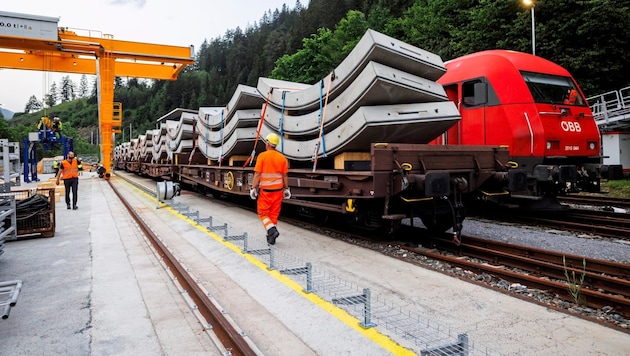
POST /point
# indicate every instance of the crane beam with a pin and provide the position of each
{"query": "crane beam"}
(65, 63)
(23, 47)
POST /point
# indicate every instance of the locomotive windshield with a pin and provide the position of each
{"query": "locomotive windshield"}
(552, 89)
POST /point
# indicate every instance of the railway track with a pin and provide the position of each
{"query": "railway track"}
(597, 215)
(605, 283)
(597, 222)
(229, 338)
(596, 200)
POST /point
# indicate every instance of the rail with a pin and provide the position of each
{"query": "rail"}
(611, 110)
(603, 223)
(605, 284)
(602, 202)
(226, 333)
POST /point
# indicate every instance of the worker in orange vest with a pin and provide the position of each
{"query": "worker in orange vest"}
(270, 186)
(571, 97)
(69, 169)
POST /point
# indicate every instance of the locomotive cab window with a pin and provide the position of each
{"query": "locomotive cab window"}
(552, 89)
(478, 92)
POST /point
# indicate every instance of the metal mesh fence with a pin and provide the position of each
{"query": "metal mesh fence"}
(389, 317)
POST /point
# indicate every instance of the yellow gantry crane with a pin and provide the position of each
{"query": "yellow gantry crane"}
(31, 42)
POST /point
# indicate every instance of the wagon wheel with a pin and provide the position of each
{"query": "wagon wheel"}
(438, 223)
(440, 219)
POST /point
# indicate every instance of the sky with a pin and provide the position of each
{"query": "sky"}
(168, 22)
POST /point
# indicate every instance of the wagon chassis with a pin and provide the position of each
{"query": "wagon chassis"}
(397, 181)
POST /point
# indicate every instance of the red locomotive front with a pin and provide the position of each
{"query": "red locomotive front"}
(535, 108)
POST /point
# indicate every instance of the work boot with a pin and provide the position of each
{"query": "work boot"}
(272, 235)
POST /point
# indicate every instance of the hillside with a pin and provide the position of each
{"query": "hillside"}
(8, 114)
(79, 119)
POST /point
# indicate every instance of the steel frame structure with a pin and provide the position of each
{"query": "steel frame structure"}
(102, 56)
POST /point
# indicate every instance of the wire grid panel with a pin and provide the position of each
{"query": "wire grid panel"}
(410, 326)
(407, 325)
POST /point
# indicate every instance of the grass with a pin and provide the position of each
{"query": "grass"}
(575, 283)
(617, 188)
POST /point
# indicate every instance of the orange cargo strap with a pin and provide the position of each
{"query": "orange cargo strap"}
(250, 159)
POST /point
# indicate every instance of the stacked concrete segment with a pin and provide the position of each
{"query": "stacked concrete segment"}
(180, 134)
(373, 47)
(159, 144)
(146, 146)
(384, 91)
(413, 123)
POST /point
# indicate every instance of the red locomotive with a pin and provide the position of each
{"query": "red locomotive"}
(536, 109)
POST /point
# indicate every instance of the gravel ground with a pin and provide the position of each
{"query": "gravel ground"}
(548, 239)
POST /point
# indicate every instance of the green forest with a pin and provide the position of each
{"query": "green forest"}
(304, 43)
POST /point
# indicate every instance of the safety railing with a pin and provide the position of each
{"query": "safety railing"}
(610, 107)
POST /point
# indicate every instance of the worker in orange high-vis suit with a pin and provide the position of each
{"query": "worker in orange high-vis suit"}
(270, 186)
(571, 97)
(69, 169)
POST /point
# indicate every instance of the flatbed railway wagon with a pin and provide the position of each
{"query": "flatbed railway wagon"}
(375, 190)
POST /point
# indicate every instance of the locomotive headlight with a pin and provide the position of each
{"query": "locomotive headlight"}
(548, 145)
(592, 145)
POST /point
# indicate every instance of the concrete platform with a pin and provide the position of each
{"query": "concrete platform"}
(96, 288)
(87, 291)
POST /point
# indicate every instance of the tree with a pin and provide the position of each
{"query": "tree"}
(93, 99)
(590, 40)
(118, 83)
(51, 98)
(321, 53)
(32, 105)
(83, 87)
(4, 128)
(67, 89)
